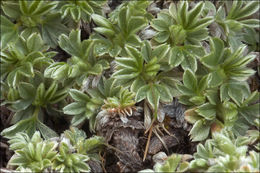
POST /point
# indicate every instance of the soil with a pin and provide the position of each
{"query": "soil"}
(130, 142)
(5, 153)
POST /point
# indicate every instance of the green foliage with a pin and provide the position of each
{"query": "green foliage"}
(173, 163)
(225, 153)
(75, 150)
(135, 8)
(81, 10)
(237, 21)
(140, 72)
(251, 38)
(9, 31)
(183, 30)
(179, 25)
(254, 135)
(87, 105)
(89, 147)
(215, 115)
(237, 16)
(248, 113)
(223, 94)
(193, 90)
(82, 63)
(34, 153)
(26, 91)
(67, 161)
(125, 100)
(225, 65)
(132, 68)
(83, 108)
(22, 59)
(106, 96)
(32, 97)
(37, 16)
(37, 155)
(121, 105)
(112, 38)
(201, 53)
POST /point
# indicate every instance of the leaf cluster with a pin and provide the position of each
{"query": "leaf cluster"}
(224, 153)
(81, 10)
(69, 155)
(112, 38)
(172, 163)
(221, 94)
(30, 17)
(83, 62)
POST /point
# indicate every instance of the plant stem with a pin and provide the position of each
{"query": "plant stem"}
(36, 113)
(148, 142)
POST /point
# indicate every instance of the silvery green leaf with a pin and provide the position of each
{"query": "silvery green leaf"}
(9, 32)
(75, 108)
(207, 111)
(189, 62)
(46, 131)
(199, 131)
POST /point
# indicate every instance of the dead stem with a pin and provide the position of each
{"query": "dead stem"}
(170, 134)
(103, 162)
(148, 142)
(149, 126)
(162, 141)
(114, 148)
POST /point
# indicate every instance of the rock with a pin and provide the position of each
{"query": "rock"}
(95, 166)
(175, 110)
(125, 138)
(170, 141)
